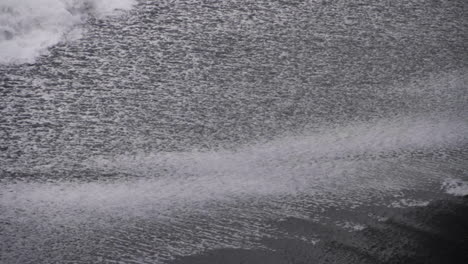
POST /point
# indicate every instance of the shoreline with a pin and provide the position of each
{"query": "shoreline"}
(436, 233)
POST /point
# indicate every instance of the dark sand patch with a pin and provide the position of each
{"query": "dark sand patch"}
(437, 233)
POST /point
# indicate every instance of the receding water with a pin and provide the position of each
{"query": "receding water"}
(146, 131)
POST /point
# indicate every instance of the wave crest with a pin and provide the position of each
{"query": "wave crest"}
(29, 27)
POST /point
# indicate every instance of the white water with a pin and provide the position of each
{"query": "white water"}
(456, 187)
(29, 27)
(341, 159)
(191, 195)
(182, 73)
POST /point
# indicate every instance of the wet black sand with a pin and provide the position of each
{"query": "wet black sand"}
(437, 233)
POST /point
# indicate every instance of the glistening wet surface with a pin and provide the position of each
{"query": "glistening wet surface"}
(233, 131)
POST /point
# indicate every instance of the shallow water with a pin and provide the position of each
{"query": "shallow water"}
(144, 131)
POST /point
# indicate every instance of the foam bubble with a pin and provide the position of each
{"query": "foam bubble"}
(455, 187)
(403, 203)
(351, 226)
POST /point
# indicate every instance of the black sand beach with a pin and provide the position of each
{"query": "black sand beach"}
(434, 234)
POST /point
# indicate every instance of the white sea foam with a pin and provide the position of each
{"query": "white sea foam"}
(327, 161)
(189, 189)
(351, 226)
(403, 203)
(29, 27)
(352, 141)
(455, 187)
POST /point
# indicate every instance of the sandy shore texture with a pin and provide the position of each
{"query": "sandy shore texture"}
(437, 233)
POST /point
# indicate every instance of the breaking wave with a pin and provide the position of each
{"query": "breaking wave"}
(29, 27)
